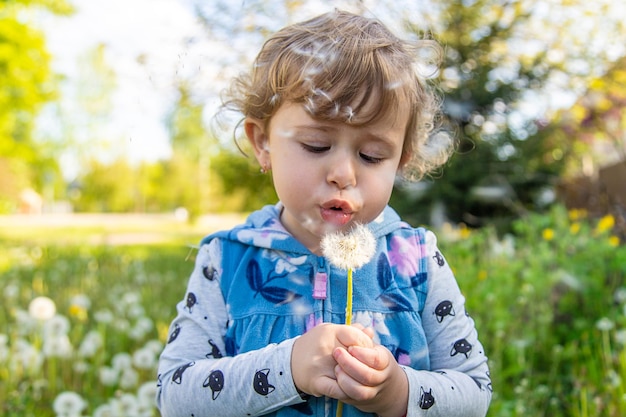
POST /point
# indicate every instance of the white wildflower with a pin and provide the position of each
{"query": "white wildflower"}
(81, 300)
(108, 376)
(129, 378)
(144, 358)
(122, 361)
(81, 367)
(605, 324)
(351, 250)
(69, 404)
(56, 326)
(146, 394)
(4, 348)
(25, 324)
(42, 308)
(103, 316)
(26, 357)
(90, 345)
(125, 405)
(154, 345)
(104, 410)
(620, 295)
(620, 337)
(57, 346)
(142, 327)
(11, 291)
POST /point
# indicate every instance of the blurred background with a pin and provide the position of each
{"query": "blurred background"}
(112, 168)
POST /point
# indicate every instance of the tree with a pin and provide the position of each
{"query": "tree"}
(27, 83)
(501, 56)
(598, 121)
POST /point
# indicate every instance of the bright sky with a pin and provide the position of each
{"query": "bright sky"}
(171, 41)
(154, 29)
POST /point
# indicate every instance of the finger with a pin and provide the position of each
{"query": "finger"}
(367, 330)
(357, 370)
(355, 392)
(328, 387)
(351, 336)
(377, 358)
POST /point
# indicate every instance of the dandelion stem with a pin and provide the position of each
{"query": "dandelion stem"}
(349, 299)
(348, 322)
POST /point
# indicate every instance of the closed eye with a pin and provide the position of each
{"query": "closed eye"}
(370, 159)
(315, 149)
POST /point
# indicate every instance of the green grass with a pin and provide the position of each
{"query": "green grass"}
(549, 303)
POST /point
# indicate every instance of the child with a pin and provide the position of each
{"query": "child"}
(335, 109)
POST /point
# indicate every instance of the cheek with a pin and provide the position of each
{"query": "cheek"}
(290, 178)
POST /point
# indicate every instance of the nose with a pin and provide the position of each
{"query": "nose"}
(342, 172)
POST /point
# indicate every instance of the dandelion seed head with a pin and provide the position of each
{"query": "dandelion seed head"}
(146, 393)
(103, 316)
(128, 378)
(351, 250)
(620, 337)
(42, 308)
(121, 361)
(81, 300)
(90, 345)
(57, 325)
(144, 359)
(69, 403)
(57, 346)
(108, 376)
(605, 324)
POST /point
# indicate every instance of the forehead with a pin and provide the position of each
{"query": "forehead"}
(390, 128)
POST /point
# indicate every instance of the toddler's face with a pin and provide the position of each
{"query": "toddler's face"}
(329, 175)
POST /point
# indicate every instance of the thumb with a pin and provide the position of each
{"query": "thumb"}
(328, 387)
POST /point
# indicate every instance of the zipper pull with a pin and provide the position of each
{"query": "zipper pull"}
(320, 281)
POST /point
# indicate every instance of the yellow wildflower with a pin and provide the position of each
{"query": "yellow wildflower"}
(482, 275)
(464, 231)
(78, 311)
(606, 223)
(574, 228)
(577, 214)
(547, 234)
(614, 241)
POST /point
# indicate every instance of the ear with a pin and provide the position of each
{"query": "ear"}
(256, 132)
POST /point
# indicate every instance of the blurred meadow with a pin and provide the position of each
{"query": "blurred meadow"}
(112, 169)
(85, 312)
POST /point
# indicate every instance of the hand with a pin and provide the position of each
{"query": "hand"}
(312, 361)
(372, 380)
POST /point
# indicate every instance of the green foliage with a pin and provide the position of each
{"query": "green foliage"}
(106, 188)
(245, 187)
(484, 79)
(539, 298)
(118, 303)
(27, 83)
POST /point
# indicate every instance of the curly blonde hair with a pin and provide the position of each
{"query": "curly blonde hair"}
(349, 68)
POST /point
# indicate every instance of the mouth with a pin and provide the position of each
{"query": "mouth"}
(337, 212)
